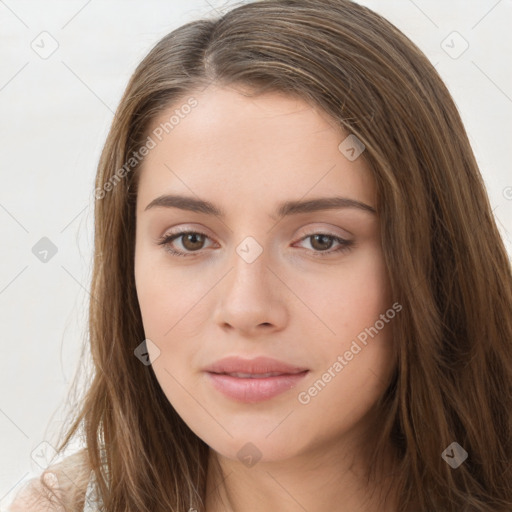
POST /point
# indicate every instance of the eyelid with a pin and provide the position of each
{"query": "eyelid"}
(182, 230)
(313, 228)
(316, 229)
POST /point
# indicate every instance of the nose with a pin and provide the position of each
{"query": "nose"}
(252, 299)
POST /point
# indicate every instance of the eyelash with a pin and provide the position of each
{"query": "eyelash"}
(345, 245)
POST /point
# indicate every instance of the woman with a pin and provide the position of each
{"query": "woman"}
(300, 299)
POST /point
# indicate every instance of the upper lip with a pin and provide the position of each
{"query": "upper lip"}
(258, 365)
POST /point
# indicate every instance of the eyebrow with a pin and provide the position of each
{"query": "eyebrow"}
(283, 209)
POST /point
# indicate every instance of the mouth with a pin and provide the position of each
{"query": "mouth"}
(252, 388)
(256, 380)
(236, 365)
(256, 375)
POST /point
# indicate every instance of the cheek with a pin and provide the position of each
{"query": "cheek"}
(174, 315)
(169, 304)
(354, 372)
(168, 295)
(354, 301)
(347, 298)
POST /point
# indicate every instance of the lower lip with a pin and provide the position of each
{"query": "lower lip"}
(254, 390)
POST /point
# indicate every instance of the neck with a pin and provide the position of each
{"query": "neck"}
(319, 480)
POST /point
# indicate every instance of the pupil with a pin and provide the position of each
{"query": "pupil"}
(324, 239)
(195, 240)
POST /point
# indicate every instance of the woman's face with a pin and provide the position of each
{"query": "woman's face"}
(307, 289)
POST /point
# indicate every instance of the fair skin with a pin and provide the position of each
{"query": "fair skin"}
(246, 156)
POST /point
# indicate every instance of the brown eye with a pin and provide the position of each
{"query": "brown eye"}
(192, 241)
(321, 242)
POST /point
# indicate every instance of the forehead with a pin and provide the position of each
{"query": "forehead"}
(241, 148)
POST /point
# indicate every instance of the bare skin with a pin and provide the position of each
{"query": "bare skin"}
(247, 155)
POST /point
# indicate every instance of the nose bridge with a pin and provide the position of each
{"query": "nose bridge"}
(250, 295)
(249, 267)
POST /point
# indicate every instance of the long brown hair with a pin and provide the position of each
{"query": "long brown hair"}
(447, 264)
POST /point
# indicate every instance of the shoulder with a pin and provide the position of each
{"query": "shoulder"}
(35, 496)
(60, 486)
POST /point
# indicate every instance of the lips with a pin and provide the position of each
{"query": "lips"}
(253, 367)
(253, 375)
(253, 380)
